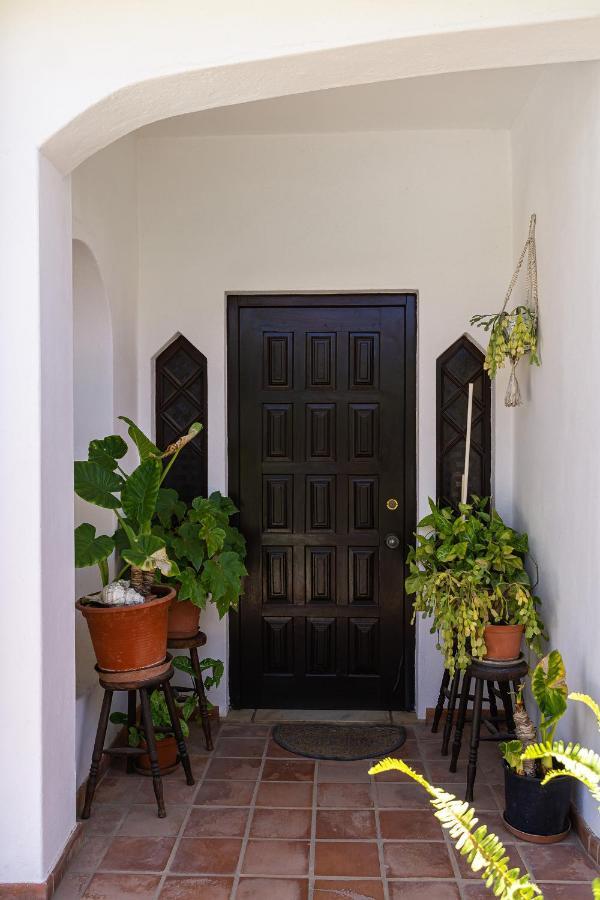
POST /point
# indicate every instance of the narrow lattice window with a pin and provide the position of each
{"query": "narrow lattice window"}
(460, 364)
(181, 400)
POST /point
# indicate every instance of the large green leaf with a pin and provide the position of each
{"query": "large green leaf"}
(549, 688)
(140, 492)
(97, 485)
(145, 447)
(107, 451)
(168, 505)
(148, 553)
(213, 534)
(189, 545)
(222, 577)
(89, 548)
(192, 587)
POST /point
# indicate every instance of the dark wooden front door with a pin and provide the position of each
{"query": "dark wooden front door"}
(321, 437)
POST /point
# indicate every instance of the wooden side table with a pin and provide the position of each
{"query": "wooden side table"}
(192, 644)
(144, 682)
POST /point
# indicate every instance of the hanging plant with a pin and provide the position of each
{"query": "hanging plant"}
(513, 332)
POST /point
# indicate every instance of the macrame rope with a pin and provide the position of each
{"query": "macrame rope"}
(532, 286)
(513, 393)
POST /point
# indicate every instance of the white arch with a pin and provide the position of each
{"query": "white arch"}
(298, 69)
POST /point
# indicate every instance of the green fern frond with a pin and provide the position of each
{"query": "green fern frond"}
(596, 888)
(484, 851)
(578, 762)
(585, 698)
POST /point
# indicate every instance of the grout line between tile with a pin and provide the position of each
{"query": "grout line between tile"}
(313, 835)
(449, 844)
(252, 809)
(184, 822)
(380, 849)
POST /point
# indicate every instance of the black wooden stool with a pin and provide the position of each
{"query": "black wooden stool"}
(485, 673)
(144, 681)
(192, 644)
(450, 691)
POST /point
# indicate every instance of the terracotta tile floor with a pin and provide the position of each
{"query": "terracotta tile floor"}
(262, 823)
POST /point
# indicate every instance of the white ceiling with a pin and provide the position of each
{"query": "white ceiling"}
(487, 99)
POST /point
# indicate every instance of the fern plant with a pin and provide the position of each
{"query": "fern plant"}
(576, 761)
(483, 849)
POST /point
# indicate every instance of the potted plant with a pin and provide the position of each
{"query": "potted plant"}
(209, 553)
(166, 745)
(127, 620)
(537, 773)
(184, 664)
(468, 574)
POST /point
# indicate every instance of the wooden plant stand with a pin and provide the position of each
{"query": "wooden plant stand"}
(143, 682)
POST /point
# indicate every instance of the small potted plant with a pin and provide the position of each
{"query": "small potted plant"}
(166, 745)
(127, 619)
(209, 553)
(468, 574)
(537, 773)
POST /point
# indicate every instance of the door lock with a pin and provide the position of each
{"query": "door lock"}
(392, 541)
(392, 504)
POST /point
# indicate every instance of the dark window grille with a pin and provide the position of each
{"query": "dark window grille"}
(456, 367)
(180, 401)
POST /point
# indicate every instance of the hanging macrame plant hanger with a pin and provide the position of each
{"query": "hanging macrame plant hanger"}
(513, 393)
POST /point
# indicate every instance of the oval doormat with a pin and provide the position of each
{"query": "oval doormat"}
(342, 742)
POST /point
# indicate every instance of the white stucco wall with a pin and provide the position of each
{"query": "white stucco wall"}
(556, 147)
(415, 210)
(105, 269)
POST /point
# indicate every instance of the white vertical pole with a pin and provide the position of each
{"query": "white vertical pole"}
(465, 478)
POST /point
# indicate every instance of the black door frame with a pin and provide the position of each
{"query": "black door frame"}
(237, 301)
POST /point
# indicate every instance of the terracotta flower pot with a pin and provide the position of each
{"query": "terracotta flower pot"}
(166, 750)
(130, 637)
(503, 642)
(184, 619)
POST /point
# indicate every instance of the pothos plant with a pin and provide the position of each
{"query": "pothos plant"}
(209, 552)
(133, 498)
(467, 570)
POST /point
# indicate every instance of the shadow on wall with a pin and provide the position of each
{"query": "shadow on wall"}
(93, 417)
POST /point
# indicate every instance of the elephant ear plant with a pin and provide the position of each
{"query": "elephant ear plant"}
(467, 571)
(133, 498)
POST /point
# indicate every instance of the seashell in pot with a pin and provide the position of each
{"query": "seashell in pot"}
(119, 593)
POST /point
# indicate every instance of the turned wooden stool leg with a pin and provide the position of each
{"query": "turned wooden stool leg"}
(460, 723)
(507, 704)
(472, 767)
(185, 760)
(450, 712)
(131, 717)
(151, 743)
(97, 754)
(439, 708)
(199, 685)
(492, 701)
